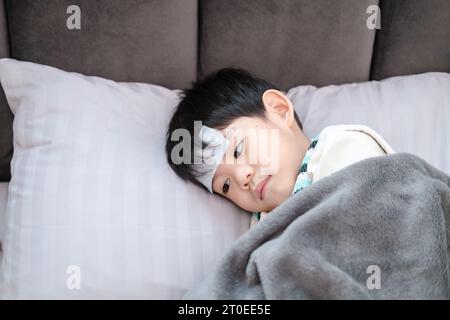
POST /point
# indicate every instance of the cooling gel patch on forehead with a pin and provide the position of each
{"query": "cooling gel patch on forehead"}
(209, 148)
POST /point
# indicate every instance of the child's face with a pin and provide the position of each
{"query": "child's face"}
(262, 161)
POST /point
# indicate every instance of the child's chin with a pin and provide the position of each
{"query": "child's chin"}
(274, 202)
(270, 207)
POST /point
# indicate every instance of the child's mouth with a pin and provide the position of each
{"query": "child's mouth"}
(262, 187)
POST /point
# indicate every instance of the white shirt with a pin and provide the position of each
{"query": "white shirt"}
(342, 145)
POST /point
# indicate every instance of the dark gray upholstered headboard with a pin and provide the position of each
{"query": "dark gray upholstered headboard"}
(174, 42)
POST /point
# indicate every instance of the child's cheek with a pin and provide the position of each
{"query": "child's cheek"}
(269, 155)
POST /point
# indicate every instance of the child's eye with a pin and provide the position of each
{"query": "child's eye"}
(238, 150)
(226, 186)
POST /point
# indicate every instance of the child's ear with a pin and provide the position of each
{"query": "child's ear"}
(278, 105)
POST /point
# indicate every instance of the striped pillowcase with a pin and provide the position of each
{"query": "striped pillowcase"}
(94, 211)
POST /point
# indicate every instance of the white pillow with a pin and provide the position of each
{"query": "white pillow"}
(411, 112)
(3, 198)
(92, 195)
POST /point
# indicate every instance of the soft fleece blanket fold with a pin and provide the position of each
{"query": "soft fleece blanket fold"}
(376, 229)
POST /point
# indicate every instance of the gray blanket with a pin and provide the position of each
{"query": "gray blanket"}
(377, 229)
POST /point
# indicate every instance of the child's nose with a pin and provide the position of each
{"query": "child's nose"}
(246, 177)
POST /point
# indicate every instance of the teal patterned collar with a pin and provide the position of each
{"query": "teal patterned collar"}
(304, 178)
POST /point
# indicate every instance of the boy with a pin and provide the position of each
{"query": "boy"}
(229, 114)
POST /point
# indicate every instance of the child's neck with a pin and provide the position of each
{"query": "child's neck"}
(302, 145)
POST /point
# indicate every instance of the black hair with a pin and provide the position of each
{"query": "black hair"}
(216, 101)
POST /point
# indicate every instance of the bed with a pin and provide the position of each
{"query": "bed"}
(3, 198)
(333, 64)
